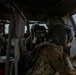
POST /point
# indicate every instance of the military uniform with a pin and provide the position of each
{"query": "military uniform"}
(52, 61)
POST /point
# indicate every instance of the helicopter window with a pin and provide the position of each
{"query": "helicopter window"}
(74, 17)
(6, 28)
(30, 26)
(25, 29)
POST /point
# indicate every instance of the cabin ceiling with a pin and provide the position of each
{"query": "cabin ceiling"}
(39, 9)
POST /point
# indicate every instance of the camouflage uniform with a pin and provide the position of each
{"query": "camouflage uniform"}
(52, 61)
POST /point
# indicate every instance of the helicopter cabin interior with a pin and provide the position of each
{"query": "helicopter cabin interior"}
(19, 16)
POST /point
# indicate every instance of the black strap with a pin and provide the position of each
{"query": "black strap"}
(53, 71)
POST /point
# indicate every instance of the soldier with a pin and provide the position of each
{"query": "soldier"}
(52, 60)
(35, 37)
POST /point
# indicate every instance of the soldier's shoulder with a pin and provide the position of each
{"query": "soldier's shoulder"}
(47, 45)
